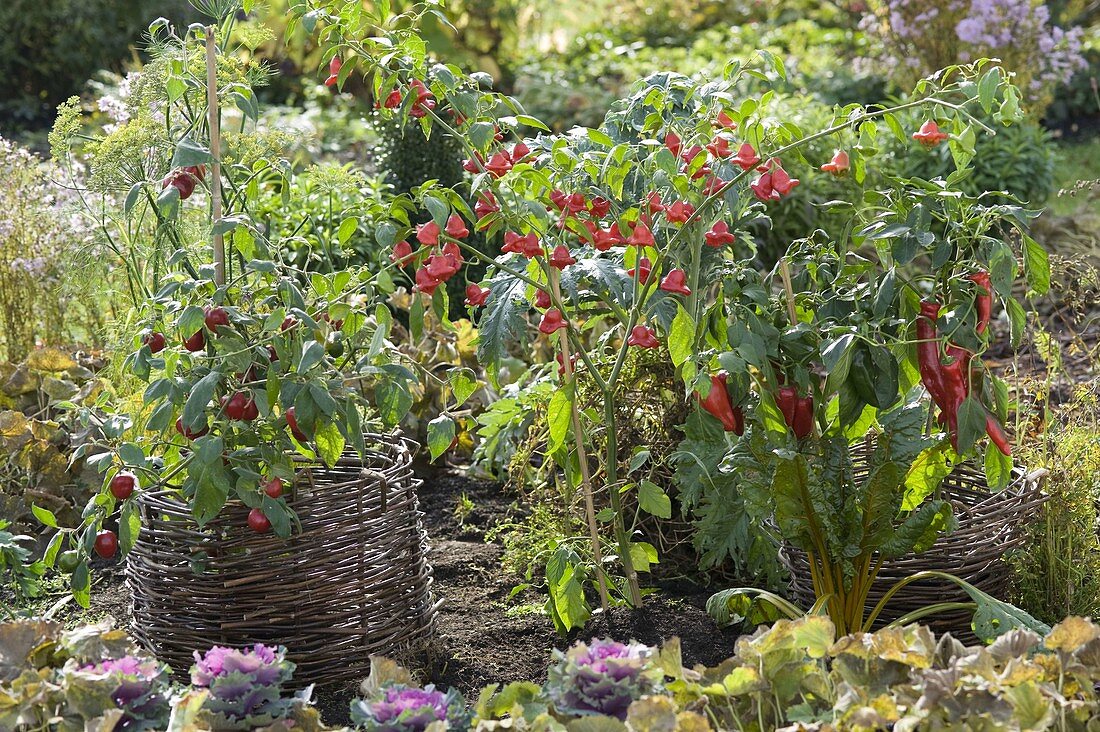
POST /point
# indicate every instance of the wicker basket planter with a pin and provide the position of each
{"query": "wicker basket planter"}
(353, 582)
(990, 525)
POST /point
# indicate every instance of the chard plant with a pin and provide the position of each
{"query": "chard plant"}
(637, 235)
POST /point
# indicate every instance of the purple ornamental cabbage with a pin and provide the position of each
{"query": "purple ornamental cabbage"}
(602, 677)
(245, 685)
(138, 686)
(401, 708)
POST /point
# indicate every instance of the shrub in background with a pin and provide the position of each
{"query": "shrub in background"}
(49, 50)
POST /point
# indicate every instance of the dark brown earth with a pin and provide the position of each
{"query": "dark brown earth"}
(483, 636)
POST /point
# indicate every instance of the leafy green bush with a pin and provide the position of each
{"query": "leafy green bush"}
(49, 50)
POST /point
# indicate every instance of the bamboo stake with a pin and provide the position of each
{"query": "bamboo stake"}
(582, 456)
(214, 124)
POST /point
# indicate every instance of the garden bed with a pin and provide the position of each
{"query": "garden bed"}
(483, 637)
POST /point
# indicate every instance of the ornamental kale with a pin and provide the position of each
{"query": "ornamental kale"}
(138, 687)
(400, 708)
(245, 685)
(603, 677)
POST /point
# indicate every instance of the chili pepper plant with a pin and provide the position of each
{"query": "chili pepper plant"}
(251, 367)
(634, 236)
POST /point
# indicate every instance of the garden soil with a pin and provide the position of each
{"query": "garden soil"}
(484, 635)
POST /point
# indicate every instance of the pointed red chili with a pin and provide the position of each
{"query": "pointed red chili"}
(838, 166)
(929, 134)
(641, 236)
(428, 234)
(401, 253)
(644, 269)
(746, 157)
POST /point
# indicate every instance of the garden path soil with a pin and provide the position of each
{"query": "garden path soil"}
(483, 636)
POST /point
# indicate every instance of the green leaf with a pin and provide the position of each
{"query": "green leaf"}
(998, 468)
(129, 526)
(312, 353)
(45, 516)
(643, 556)
(1036, 266)
(348, 227)
(208, 475)
(393, 400)
(987, 88)
(202, 393)
(131, 454)
(971, 424)
(441, 435)
(502, 320)
(837, 358)
(681, 336)
(653, 500)
(81, 583)
(559, 415)
(925, 475)
(188, 152)
(463, 383)
(330, 442)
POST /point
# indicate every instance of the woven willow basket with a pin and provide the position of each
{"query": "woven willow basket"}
(990, 525)
(352, 583)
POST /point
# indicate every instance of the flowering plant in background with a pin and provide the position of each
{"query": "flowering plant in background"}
(603, 676)
(921, 36)
(245, 686)
(402, 708)
(139, 687)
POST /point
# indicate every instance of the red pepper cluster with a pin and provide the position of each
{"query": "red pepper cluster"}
(444, 262)
(423, 99)
(798, 411)
(949, 384)
(719, 404)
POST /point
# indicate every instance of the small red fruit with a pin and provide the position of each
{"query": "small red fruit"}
(292, 423)
(197, 342)
(561, 258)
(643, 336)
(258, 522)
(552, 321)
(106, 544)
(333, 71)
(239, 406)
(289, 322)
(123, 485)
(676, 282)
(156, 341)
(929, 134)
(273, 488)
(190, 434)
(215, 317)
(839, 165)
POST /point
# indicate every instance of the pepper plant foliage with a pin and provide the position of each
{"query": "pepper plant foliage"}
(252, 366)
(634, 235)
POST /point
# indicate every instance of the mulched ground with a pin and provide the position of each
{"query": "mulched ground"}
(481, 637)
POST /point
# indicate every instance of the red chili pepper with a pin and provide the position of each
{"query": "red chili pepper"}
(787, 401)
(983, 302)
(997, 433)
(719, 404)
(928, 354)
(803, 417)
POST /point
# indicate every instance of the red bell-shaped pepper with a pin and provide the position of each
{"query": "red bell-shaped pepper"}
(803, 417)
(719, 404)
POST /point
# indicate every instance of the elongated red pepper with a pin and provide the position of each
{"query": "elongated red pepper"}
(803, 417)
(928, 353)
(787, 401)
(997, 433)
(719, 404)
(983, 301)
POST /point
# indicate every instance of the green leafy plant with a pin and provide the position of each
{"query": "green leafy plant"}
(675, 174)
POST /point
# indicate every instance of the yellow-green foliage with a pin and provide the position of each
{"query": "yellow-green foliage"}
(37, 236)
(1059, 570)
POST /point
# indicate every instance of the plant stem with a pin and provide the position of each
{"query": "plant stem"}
(582, 454)
(215, 152)
(611, 478)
